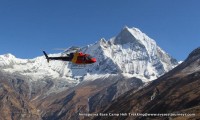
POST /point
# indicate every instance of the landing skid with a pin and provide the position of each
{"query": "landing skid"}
(76, 66)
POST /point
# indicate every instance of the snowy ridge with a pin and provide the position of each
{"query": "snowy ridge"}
(131, 53)
(36, 68)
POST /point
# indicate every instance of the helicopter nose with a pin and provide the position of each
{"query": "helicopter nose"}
(93, 60)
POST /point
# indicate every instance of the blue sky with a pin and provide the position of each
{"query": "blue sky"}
(29, 26)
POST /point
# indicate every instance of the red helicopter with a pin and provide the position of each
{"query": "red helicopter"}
(74, 57)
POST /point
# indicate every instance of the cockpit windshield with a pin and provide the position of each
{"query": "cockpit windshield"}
(89, 57)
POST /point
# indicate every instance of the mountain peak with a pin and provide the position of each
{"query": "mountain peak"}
(102, 40)
(132, 35)
(125, 36)
(131, 30)
(125, 27)
(7, 56)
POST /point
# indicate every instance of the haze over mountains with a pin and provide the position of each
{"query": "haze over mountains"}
(41, 90)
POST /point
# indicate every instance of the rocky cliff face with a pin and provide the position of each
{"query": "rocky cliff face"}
(14, 99)
(87, 97)
(178, 93)
(56, 91)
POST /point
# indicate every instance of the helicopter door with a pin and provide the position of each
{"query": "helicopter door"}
(81, 59)
(74, 59)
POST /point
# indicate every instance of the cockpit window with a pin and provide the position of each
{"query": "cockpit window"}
(89, 57)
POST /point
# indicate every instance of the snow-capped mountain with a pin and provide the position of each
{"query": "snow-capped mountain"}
(56, 91)
(131, 53)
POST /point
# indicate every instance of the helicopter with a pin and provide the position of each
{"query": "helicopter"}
(76, 57)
